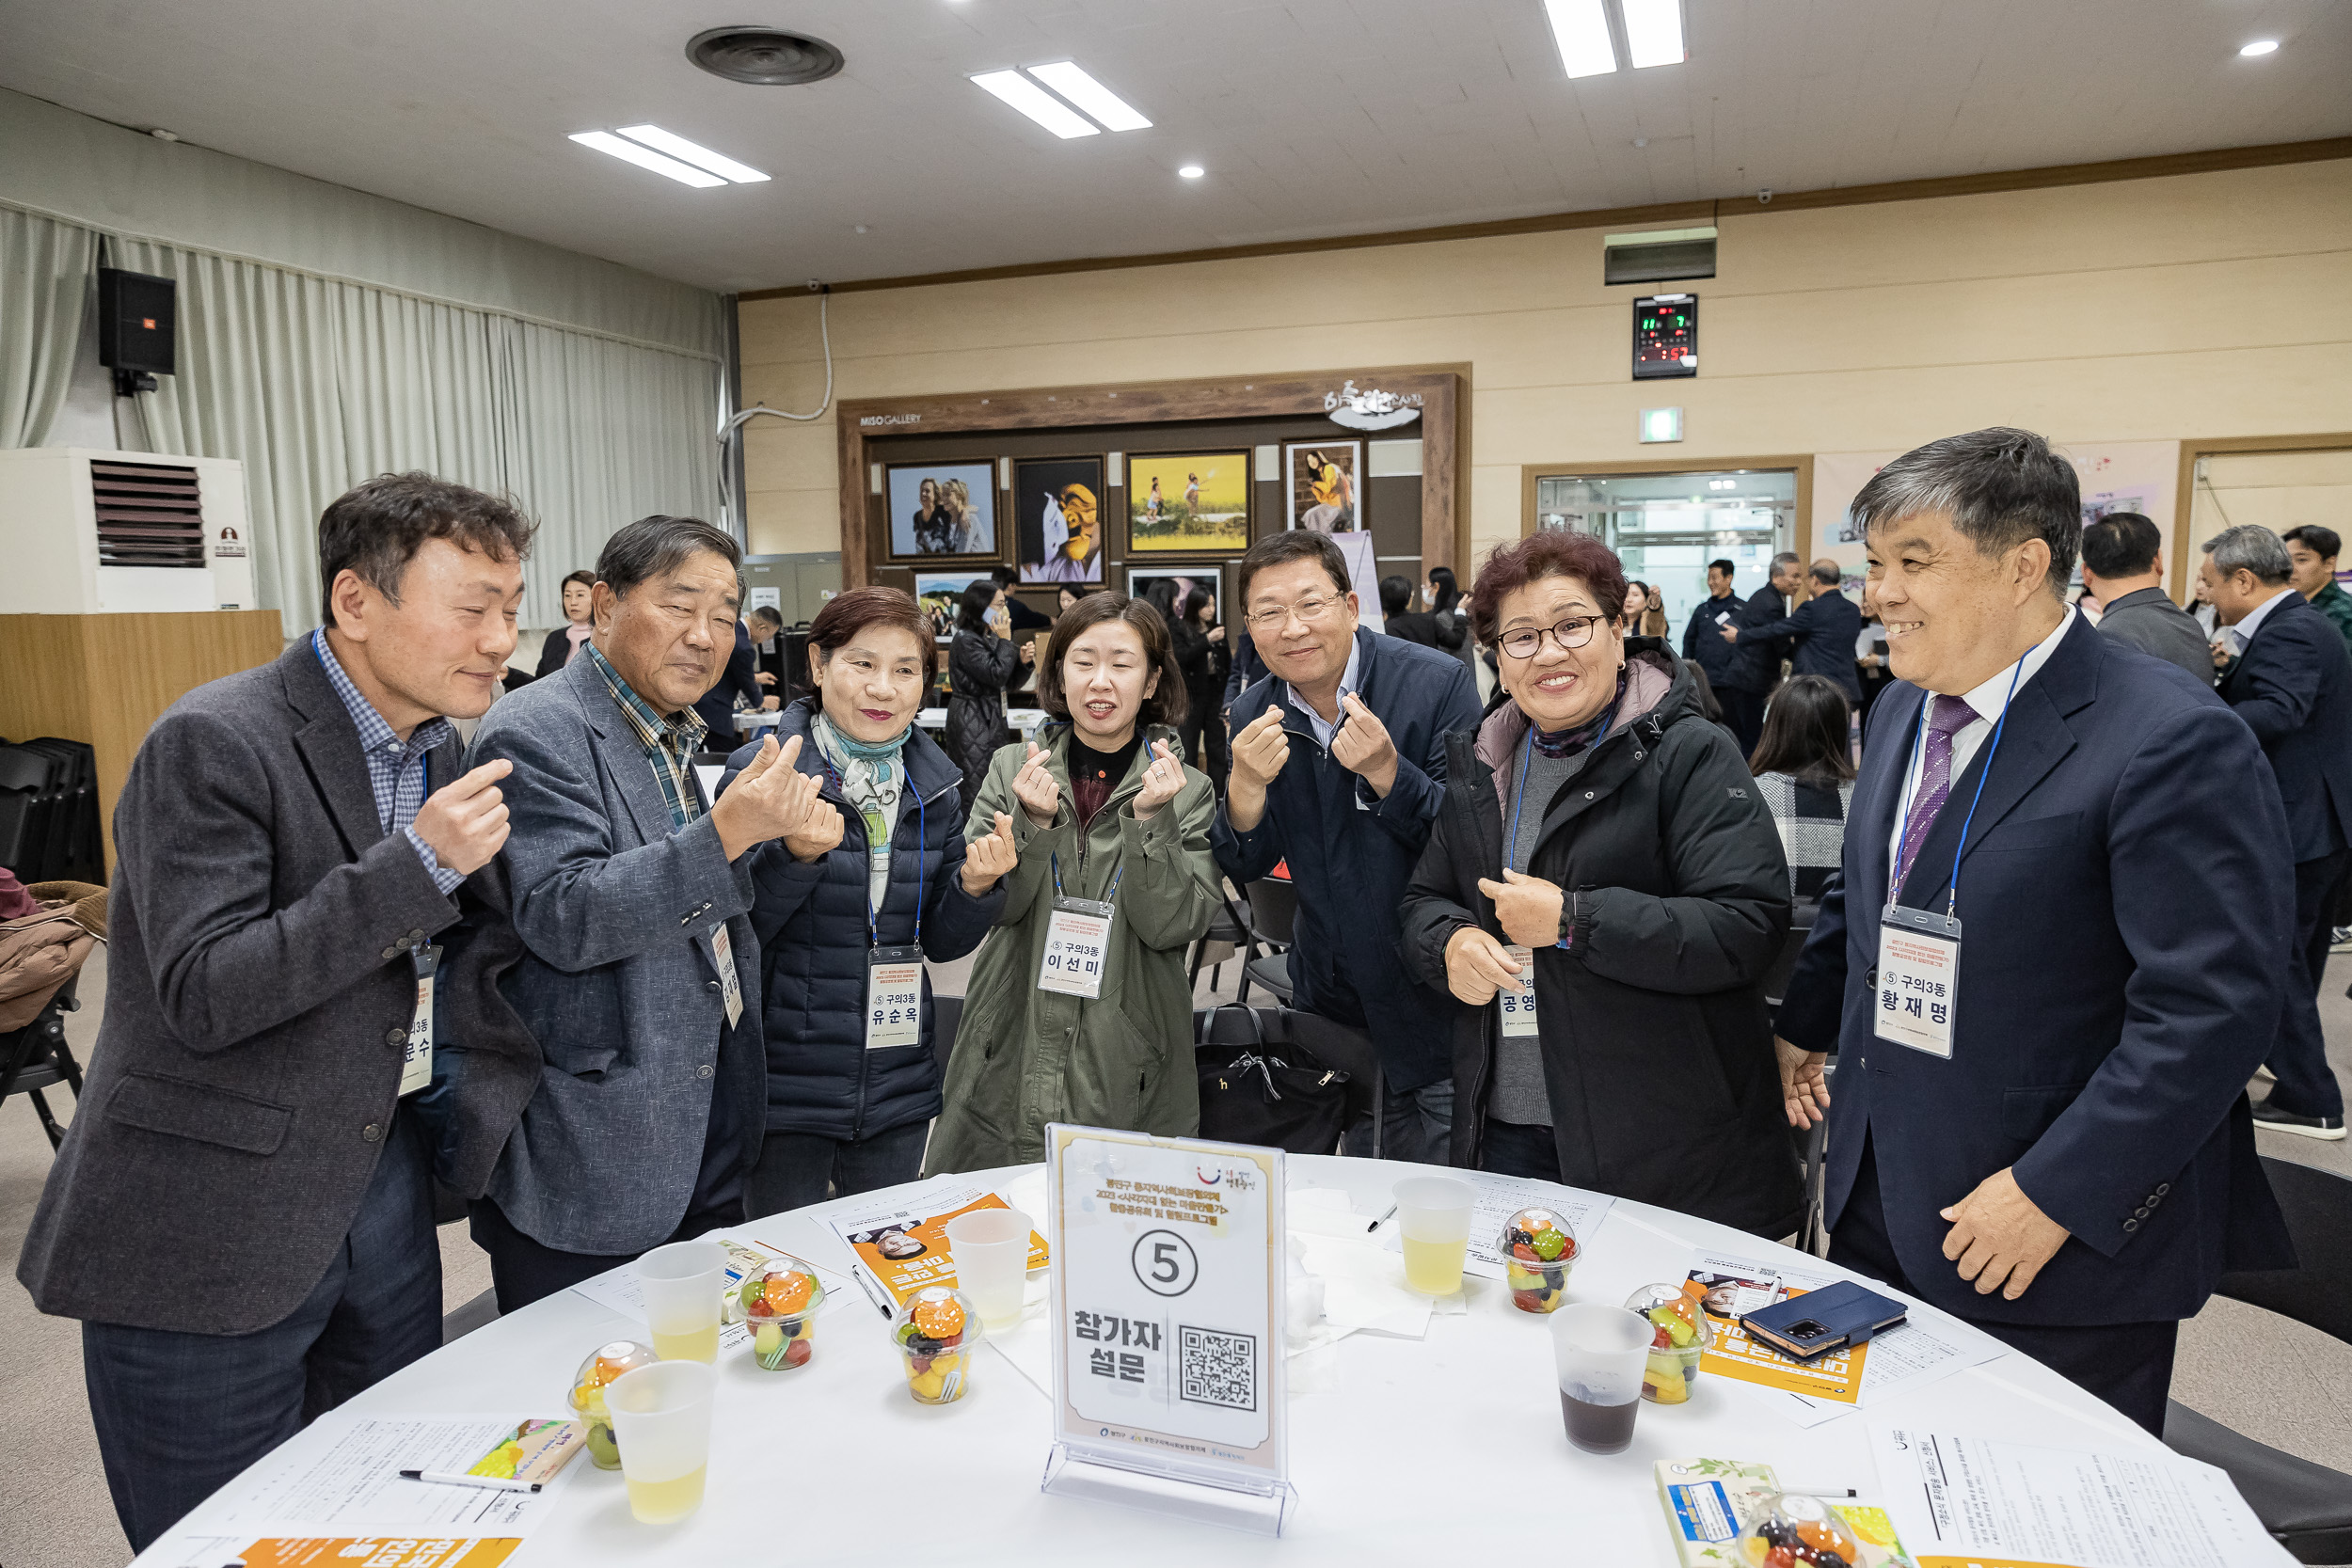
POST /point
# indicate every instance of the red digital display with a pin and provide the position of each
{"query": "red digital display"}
(1665, 337)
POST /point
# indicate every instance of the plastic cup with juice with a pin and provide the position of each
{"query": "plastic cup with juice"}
(991, 1249)
(682, 1282)
(662, 1417)
(1433, 1221)
(1599, 1353)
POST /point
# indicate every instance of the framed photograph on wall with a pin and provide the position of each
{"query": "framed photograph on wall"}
(941, 595)
(1324, 482)
(1181, 579)
(1057, 519)
(942, 509)
(1197, 502)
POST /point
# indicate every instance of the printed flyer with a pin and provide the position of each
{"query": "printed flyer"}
(904, 1247)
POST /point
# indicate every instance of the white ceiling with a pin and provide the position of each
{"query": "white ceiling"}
(1312, 117)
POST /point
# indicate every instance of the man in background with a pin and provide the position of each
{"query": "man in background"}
(2292, 683)
(740, 677)
(1702, 641)
(2313, 549)
(1824, 628)
(241, 1215)
(2123, 569)
(1756, 663)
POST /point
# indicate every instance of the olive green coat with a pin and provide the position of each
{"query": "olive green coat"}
(1024, 1057)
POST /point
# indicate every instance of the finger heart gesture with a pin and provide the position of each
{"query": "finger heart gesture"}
(1162, 780)
(1035, 787)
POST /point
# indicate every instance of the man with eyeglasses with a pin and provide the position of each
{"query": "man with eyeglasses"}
(1338, 768)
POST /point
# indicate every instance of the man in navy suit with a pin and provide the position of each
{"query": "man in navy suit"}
(2044, 1133)
(2293, 686)
(739, 678)
(1756, 663)
(1826, 627)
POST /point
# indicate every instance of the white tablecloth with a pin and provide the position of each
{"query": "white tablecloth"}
(1447, 1449)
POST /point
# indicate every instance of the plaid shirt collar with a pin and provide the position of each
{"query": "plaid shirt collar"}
(376, 737)
(668, 743)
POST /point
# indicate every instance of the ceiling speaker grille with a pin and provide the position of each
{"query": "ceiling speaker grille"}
(149, 514)
(764, 56)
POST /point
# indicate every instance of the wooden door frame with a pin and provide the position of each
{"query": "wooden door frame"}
(1800, 462)
(2185, 493)
(1443, 430)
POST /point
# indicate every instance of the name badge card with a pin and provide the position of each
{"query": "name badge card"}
(416, 1060)
(1168, 1302)
(730, 984)
(1518, 1007)
(1078, 948)
(893, 997)
(1919, 980)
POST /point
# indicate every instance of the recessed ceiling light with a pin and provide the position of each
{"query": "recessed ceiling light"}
(1067, 78)
(2259, 47)
(693, 152)
(1192, 171)
(1653, 32)
(1035, 102)
(1580, 29)
(645, 157)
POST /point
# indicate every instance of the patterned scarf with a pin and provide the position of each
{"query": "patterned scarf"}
(871, 777)
(1566, 743)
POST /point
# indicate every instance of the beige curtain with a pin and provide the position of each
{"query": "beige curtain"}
(43, 265)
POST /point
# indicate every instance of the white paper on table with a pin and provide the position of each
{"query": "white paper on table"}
(621, 1291)
(352, 1485)
(1991, 1500)
(1500, 1197)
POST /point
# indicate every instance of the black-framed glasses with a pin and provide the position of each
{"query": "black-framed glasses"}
(1571, 633)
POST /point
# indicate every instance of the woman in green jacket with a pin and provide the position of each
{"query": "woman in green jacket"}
(1071, 1017)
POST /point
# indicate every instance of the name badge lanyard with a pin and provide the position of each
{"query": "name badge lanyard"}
(1517, 1007)
(416, 1058)
(1918, 971)
(1077, 939)
(894, 976)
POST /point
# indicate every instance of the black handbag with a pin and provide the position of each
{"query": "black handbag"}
(1269, 1092)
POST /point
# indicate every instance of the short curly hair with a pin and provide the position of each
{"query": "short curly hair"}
(1549, 553)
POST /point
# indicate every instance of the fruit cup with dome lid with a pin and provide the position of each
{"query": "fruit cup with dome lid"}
(936, 1332)
(603, 1365)
(1539, 1250)
(779, 1304)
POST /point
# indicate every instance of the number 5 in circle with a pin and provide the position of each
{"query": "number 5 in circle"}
(1164, 1261)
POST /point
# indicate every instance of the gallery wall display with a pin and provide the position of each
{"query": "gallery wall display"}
(1323, 484)
(1058, 511)
(943, 509)
(941, 595)
(1194, 502)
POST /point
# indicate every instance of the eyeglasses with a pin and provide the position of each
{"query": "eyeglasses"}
(1571, 634)
(1307, 610)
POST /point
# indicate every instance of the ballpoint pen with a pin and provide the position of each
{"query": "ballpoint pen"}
(1381, 1221)
(452, 1477)
(867, 1285)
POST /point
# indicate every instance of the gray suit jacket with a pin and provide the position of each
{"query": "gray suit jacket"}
(619, 980)
(2149, 621)
(258, 993)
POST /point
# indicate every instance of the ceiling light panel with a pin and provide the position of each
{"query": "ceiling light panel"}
(693, 152)
(1653, 32)
(645, 157)
(1098, 101)
(1035, 102)
(1581, 30)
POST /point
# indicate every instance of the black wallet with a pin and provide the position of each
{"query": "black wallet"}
(1825, 1320)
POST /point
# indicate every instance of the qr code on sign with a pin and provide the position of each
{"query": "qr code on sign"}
(1216, 1367)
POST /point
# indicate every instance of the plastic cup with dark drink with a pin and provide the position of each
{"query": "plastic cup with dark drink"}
(1599, 1353)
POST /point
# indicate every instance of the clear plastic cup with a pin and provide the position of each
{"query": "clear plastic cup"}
(662, 1419)
(936, 1334)
(603, 1366)
(780, 1305)
(1538, 1249)
(1680, 1336)
(1599, 1353)
(991, 1249)
(682, 1284)
(1433, 1221)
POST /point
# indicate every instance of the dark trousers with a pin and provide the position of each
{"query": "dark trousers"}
(1202, 734)
(1515, 1149)
(2128, 1365)
(797, 1169)
(2306, 1085)
(524, 1270)
(1744, 712)
(179, 1415)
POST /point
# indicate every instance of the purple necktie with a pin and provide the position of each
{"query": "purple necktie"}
(1946, 717)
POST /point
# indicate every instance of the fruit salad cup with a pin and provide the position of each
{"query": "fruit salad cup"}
(1539, 1250)
(1679, 1335)
(937, 1332)
(1798, 1531)
(604, 1364)
(779, 1306)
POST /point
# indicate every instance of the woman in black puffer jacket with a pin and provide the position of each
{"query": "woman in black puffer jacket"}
(981, 664)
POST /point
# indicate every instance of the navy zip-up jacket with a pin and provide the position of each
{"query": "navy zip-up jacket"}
(1351, 854)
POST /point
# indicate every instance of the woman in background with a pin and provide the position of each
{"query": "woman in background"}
(1201, 655)
(1804, 767)
(578, 614)
(1636, 606)
(981, 664)
(1064, 598)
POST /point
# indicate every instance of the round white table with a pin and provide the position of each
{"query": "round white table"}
(1445, 1449)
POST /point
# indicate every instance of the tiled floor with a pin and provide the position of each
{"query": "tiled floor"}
(2287, 1385)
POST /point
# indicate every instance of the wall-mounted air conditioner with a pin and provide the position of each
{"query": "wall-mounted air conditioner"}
(87, 532)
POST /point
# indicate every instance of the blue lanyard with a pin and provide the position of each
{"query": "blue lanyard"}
(1109, 894)
(1527, 755)
(922, 850)
(1951, 903)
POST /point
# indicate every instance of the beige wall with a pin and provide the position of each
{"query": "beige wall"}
(2197, 305)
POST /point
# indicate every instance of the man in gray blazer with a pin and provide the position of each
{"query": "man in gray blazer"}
(2123, 569)
(631, 895)
(240, 1213)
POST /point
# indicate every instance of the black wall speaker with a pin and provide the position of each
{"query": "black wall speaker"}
(135, 318)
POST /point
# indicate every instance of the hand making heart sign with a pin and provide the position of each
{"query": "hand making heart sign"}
(1163, 780)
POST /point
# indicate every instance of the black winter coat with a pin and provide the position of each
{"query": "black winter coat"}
(811, 921)
(980, 665)
(1657, 1049)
